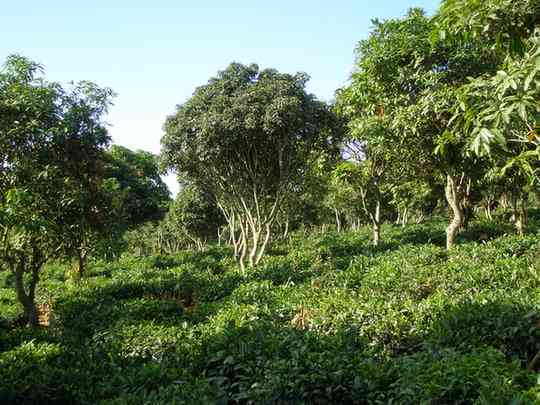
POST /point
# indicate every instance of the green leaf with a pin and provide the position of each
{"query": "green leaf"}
(529, 79)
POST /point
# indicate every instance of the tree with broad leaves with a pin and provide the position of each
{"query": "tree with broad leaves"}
(246, 137)
(89, 205)
(499, 110)
(401, 98)
(49, 140)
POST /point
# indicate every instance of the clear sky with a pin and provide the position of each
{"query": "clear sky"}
(154, 53)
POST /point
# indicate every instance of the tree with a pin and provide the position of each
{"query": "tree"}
(401, 98)
(47, 137)
(195, 216)
(382, 83)
(409, 197)
(499, 111)
(145, 196)
(246, 136)
(88, 209)
(363, 179)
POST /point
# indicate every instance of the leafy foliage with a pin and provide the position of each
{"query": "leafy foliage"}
(136, 175)
(331, 319)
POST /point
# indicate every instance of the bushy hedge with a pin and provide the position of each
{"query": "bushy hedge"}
(325, 319)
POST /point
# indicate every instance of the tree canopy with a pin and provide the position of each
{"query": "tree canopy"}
(246, 137)
(49, 172)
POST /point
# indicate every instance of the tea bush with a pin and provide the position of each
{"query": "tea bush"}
(326, 318)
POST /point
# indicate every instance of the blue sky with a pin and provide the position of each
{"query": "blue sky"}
(154, 53)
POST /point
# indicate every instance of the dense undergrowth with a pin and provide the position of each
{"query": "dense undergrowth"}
(324, 319)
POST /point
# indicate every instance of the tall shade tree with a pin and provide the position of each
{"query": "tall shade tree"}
(133, 198)
(28, 123)
(383, 82)
(400, 101)
(48, 142)
(88, 212)
(501, 114)
(499, 111)
(246, 136)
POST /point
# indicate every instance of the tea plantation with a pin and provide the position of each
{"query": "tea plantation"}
(326, 318)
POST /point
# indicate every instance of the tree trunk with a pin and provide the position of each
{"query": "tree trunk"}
(255, 233)
(488, 211)
(376, 234)
(81, 261)
(405, 218)
(236, 242)
(286, 231)
(338, 221)
(377, 224)
(465, 202)
(514, 216)
(452, 196)
(265, 243)
(27, 299)
(243, 247)
(504, 201)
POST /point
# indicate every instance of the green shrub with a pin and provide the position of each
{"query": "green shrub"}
(327, 318)
(449, 377)
(33, 373)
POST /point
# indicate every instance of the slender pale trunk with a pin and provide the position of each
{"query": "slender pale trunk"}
(242, 248)
(286, 231)
(255, 233)
(338, 221)
(514, 216)
(452, 197)
(265, 243)
(405, 218)
(236, 242)
(488, 211)
(504, 201)
(376, 219)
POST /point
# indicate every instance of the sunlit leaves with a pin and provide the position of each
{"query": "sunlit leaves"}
(502, 110)
(502, 24)
(248, 131)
